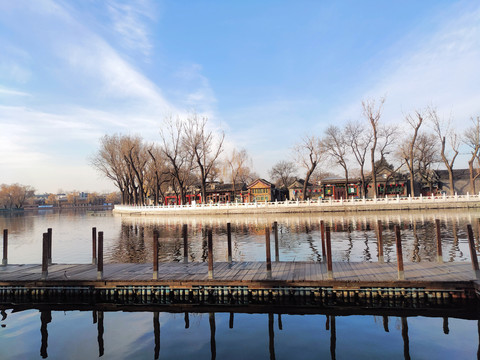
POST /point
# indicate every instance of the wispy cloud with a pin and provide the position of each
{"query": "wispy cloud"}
(11, 92)
(439, 69)
(130, 21)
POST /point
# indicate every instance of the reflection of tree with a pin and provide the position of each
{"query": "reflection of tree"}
(455, 245)
(416, 245)
(366, 253)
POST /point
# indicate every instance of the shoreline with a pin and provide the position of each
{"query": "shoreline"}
(306, 207)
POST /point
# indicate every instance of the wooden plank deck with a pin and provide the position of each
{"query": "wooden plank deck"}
(253, 274)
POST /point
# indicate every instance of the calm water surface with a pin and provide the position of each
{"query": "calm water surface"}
(31, 334)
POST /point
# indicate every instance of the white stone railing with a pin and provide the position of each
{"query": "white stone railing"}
(302, 204)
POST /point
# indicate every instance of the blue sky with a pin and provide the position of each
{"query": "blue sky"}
(266, 72)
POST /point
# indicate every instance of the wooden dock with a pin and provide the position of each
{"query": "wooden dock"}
(252, 274)
(239, 282)
(426, 285)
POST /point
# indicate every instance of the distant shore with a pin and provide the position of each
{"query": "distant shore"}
(325, 206)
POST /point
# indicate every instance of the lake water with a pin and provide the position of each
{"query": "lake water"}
(330, 333)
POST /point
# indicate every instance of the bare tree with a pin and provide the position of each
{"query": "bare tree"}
(157, 173)
(237, 167)
(203, 146)
(109, 161)
(180, 161)
(426, 155)
(136, 158)
(472, 140)
(15, 195)
(408, 147)
(283, 172)
(359, 139)
(372, 112)
(442, 129)
(336, 146)
(309, 152)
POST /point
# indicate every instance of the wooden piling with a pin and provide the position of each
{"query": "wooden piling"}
(5, 247)
(210, 254)
(49, 232)
(155, 254)
(229, 243)
(45, 256)
(322, 233)
(94, 246)
(275, 233)
(439, 241)
(329, 253)
(473, 252)
(267, 248)
(100, 256)
(380, 241)
(398, 241)
(185, 243)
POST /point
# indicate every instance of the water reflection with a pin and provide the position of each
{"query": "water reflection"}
(128, 239)
(344, 335)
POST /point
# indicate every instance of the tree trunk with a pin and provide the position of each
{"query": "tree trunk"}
(374, 171)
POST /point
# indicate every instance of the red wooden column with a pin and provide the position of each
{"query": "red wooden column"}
(329, 254)
(398, 242)
(439, 241)
(380, 241)
(210, 254)
(5, 247)
(155, 254)
(45, 256)
(268, 254)
(100, 256)
(473, 252)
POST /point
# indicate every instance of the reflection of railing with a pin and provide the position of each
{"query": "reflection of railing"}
(308, 203)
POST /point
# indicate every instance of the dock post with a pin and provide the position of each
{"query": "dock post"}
(229, 243)
(185, 243)
(100, 256)
(210, 254)
(45, 256)
(94, 246)
(49, 232)
(5, 247)
(275, 233)
(268, 254)
(322, 233)
(439, 241)
(473, 252)
(398, 241)
(380, 241)
(329, 254)
(155, 254)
